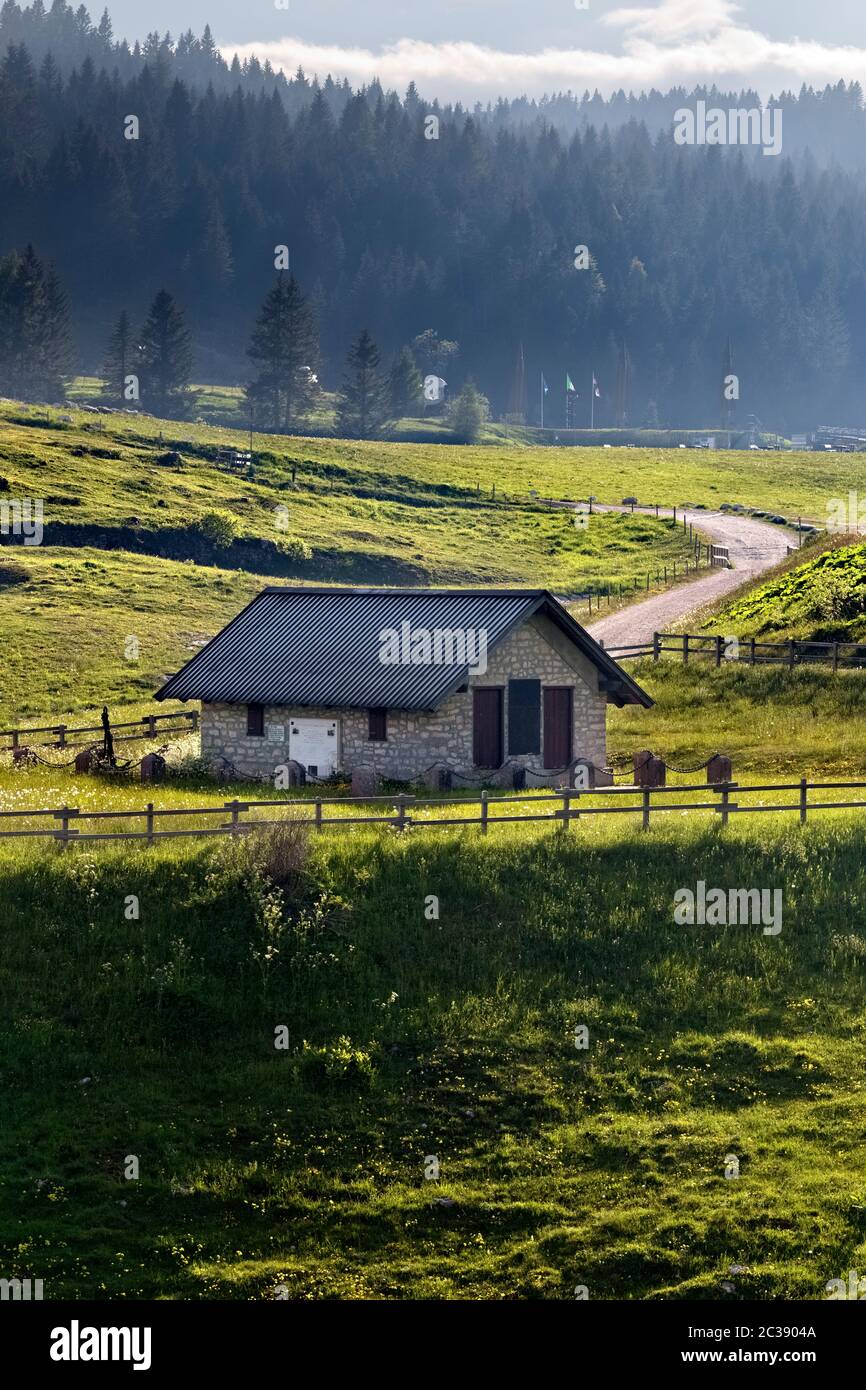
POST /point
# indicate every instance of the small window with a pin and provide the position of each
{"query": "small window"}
(255, 721)
(378, 725)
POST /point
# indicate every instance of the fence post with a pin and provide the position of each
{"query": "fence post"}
(484, 813)
(64, 834)
(150, 822)
(318, 813)
(192, 716)
(726, 792)
(719, 643)
(656, 645)
(566, 810)
(792, 648)
(646, 808)
(15, 733)
(61, 732)
(835, 658)
(151, 725)
(752, 652)
(401, 810)
(685, 649)
(234, 807)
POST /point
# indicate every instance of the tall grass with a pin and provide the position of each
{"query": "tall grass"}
(413, 1032)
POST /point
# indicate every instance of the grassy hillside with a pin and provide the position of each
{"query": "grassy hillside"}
(366, 513)
(814, 597)
(408, 1039)
(774, 723)
(68, 614)
(787, 483)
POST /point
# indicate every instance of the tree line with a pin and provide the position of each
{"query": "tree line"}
(473, 232)
(151, 368)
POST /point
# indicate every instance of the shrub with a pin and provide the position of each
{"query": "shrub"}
(467, 414)
(296, 551)
(218, 527)
(280, 852)
(337, 1062)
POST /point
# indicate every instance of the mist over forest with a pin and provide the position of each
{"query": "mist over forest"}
(699, 256)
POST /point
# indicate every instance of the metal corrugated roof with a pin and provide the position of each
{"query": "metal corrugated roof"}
(317, 646)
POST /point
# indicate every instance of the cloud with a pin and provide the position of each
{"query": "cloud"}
(674, 19)
(679, 42)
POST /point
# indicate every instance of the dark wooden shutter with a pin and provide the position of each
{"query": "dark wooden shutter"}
(524, 717)
(255, 721)
(377, 725)
(487, 726)
(557, 725)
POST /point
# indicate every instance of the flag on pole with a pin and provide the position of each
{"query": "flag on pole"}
(596, 389)
(569, 384)
(544, 386)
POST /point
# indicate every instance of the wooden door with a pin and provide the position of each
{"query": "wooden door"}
(558, 724)
(487, 726)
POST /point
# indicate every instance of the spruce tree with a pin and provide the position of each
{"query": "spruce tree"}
(362, 410)
(166, 359)
(285, 347)
(121, 361)
(404, 385)
(34, 329)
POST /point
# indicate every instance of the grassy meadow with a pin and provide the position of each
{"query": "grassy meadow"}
(142, 990)
(300, 1171)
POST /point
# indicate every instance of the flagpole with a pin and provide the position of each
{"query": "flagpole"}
(592, 403)
(542, 400)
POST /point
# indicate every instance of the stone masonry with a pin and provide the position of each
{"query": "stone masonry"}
(537, 650)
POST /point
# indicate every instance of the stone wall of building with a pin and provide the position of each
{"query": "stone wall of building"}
(417, 740)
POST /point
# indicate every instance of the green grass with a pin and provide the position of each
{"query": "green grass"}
(369, 513)
(409, 1038)
(68, 620)
(814, 597)
(789, 483)
(773, 722)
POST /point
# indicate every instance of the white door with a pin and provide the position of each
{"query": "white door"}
(315, 744)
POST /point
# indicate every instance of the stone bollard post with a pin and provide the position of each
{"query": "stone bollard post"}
(648, 771)
(719, 769)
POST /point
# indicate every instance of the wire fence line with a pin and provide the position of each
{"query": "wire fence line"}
(566, 808)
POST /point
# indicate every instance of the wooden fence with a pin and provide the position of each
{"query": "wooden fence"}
(689, 646)
(61, 731)
(715, 648)
(561, 807)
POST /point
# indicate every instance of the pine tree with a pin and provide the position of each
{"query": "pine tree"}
(285, 347)
(120, 362)
(404, 385)
(362, 411)
(34, 329)
(166, 359)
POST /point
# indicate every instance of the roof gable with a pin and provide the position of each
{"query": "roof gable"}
(309, 646)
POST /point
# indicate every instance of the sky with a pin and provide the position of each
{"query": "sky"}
(479, 49)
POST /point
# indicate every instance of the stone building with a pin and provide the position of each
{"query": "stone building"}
(401, 681)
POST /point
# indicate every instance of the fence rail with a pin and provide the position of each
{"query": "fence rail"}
(568, 806)
(190, 724)
(718, 648)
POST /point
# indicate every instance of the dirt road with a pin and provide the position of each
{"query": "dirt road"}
(754, 546)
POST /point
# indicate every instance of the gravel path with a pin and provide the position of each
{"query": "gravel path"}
(755, 546)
